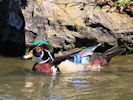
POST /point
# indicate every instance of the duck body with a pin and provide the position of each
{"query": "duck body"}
(96, 62)
(44, 68)
(68, 66)
(82, 61)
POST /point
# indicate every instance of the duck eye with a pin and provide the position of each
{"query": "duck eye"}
(38, 49)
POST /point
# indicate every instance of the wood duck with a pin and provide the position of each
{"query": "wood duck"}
(82, 61)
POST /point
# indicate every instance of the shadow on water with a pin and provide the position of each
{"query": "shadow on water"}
(18, 82)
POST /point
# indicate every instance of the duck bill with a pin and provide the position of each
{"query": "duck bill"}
(28, 55)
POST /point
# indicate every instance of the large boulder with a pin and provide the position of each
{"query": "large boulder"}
(71, 23)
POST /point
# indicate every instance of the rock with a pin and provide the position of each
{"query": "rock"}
(67, 24)
(12, 37)
(66, 21)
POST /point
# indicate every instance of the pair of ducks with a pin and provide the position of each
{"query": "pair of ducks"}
(82, 61)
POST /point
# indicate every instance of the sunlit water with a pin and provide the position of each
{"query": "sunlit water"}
(18, 82)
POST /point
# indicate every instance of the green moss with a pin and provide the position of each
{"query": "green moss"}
(123, 3)
(130, 48)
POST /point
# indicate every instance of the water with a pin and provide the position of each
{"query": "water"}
(18, 82)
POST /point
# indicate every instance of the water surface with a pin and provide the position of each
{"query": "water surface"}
(18, 82)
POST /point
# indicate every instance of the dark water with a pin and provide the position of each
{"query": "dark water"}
(18, 82)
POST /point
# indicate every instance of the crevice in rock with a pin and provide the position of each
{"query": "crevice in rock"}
(130, 13)
(85, 42)
(81, 42)
(102, 28)
(90, 23)
(105, 46)
(71, 28)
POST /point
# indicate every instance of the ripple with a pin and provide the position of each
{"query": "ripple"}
(113, 83)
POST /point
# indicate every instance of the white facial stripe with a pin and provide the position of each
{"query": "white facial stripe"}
(26, 56)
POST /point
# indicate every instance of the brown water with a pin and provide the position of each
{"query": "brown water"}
(18, 82)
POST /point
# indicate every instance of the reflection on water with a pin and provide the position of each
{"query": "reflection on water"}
(18, 82)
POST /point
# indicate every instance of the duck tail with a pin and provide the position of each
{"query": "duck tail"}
(105, 58)
(113, 52)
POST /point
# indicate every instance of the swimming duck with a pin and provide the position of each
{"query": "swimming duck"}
(83, 61)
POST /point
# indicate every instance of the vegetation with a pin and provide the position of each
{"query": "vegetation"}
(118, 5)
(130, 48)
(122, 4)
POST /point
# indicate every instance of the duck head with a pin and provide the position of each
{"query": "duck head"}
(36, 49)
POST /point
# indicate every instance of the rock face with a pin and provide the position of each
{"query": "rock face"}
(65, 23)
(12, 37)
(72, 23)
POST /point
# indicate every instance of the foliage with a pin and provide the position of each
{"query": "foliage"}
(123, 3)
(130, 47)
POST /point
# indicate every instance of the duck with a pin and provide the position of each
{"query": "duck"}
(84, 60)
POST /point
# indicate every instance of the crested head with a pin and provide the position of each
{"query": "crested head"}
(38, 43)
(37, 47)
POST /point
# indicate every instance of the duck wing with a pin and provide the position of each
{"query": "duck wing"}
(104, 58)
